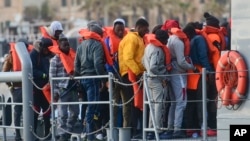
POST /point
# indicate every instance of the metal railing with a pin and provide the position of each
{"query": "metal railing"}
(22, 76)
(147, 102)
(110, 102)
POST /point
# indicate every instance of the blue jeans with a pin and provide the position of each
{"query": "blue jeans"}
(91, 86)
(67, 120)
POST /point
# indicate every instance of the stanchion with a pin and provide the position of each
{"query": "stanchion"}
(115, 134)
(125, 134)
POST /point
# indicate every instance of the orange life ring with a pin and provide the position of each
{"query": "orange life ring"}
(231, 78)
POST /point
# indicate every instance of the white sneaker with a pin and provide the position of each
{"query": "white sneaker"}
(99, 136)
(83, 135)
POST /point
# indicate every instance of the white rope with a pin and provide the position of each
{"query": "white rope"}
(32, 81)
(38, 137)
(38, 112)
(137, 91)
(91, 133)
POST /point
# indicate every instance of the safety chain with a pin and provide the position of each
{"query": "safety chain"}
(38, 112)
(125, 84)
(32, 81)
(91, 133)
(40, 138)
(86, 134)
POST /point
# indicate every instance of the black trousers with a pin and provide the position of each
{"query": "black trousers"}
(193, 117)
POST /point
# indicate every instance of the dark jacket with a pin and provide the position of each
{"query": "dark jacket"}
(90, 59)
(199, 52)
(40, 64)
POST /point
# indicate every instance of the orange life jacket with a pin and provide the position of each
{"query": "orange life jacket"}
(193, 79)
(212, 34)
(179, 33)
(138, 91)
(67, 59)
(150, 38)
(92, 35)
(15, 59)
(45, 34)
(106, 31)
(114, 41)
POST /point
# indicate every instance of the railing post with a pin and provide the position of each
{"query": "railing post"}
(111, 123)
(53, 127)
(3, 118)
(144, 117)
(27, 88)
(204, 104)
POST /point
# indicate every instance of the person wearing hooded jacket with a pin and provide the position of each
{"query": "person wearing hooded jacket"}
(112, 42)
(178, 81)
(40, 56)
(90, 60)
(52, 32)
(156, 56)
(216, 43)
(199, 55)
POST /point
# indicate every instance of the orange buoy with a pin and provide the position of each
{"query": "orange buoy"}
(231, 78)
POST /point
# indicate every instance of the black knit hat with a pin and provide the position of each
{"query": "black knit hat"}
(189, 30)
(211, 20)
(161, 35)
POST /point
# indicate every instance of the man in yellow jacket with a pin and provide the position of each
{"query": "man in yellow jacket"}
(130, 52)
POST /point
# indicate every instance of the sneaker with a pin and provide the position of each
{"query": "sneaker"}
(99, 136)
(84, 136)
(64, 137)
(189, 133)
(166, 135)
(211, 132)
(18, 139)
(93, 140)
(179, 134)
(195, 135)
(138, 136)
(150, 136)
